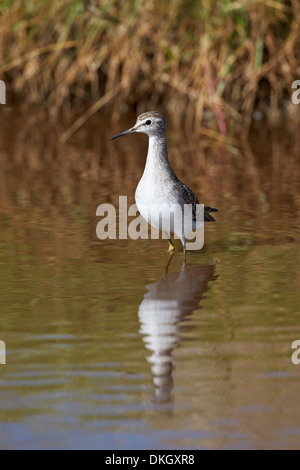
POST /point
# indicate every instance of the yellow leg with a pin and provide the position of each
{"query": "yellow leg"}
(171, 245)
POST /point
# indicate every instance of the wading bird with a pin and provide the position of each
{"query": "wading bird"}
(159, 191)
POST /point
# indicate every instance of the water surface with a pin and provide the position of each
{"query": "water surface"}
(116, 345)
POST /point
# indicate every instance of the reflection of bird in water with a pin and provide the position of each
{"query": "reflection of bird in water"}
(167, 302)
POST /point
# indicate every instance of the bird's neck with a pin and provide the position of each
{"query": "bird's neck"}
(157, 163)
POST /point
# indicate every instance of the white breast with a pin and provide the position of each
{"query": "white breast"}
(156, 199)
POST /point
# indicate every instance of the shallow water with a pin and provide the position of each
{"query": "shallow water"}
(113, 344)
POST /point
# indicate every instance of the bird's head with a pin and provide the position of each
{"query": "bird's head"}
(151, 123)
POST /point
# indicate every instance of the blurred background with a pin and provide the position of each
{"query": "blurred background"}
(109, 343)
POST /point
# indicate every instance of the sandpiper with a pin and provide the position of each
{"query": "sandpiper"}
(159, 188)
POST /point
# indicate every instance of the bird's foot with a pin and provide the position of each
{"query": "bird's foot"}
(171, 248)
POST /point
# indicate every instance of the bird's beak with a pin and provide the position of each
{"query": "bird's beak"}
(129, 131)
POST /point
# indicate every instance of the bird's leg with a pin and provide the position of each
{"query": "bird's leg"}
(171, 245)
(184, 248)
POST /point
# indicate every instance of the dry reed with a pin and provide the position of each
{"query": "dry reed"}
(197, 60)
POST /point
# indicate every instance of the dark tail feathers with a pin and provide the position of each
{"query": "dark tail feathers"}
(207, 216)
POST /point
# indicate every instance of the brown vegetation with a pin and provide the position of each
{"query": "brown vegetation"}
(196, 60)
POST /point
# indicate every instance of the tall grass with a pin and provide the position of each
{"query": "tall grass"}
(197, 60)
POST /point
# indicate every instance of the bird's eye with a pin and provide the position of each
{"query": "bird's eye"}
(148, 122)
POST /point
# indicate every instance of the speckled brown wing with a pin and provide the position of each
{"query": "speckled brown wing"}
(191, 198)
